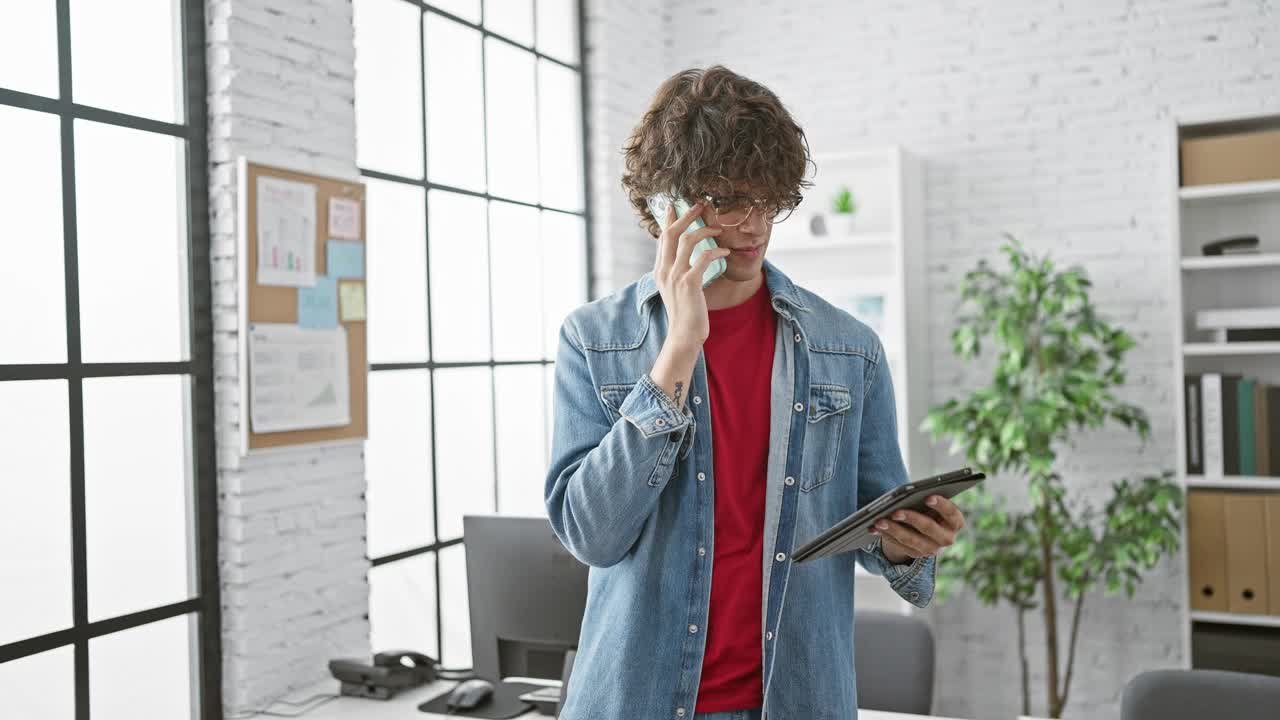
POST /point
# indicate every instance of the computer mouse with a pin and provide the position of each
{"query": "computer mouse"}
(469, 693)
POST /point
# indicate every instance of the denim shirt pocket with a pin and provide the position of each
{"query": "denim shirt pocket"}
(828, 407)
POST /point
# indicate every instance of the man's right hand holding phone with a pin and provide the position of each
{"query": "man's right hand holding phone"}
(680, 286)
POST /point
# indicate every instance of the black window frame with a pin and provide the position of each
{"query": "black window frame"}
(431, 365)
(205, 602)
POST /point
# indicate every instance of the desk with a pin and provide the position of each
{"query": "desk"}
(405, 707)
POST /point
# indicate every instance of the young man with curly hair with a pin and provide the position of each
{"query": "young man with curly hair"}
(694, 607)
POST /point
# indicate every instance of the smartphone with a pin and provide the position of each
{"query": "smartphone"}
(658, 204)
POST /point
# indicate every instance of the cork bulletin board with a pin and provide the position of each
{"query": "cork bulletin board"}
(269, 302)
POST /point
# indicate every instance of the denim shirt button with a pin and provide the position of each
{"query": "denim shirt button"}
(693, 629)
(780, 557)
(702, 476)
(702, 552)
(799, 407)
(768, 635)
(697, 399)
(915, 595)
(790, 480)
(659, 422)
(679, 712)
(797, 337)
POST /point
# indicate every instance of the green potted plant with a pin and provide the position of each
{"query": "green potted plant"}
(843, 205)
(1057, 364)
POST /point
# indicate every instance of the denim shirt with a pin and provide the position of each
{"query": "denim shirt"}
(630, 490)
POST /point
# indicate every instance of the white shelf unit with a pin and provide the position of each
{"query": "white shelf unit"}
(1201, 214)
(881, 253)
(857, 240)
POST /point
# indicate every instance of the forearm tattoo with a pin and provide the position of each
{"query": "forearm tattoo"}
(679, 387)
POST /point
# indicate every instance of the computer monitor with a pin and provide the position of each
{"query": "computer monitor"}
(526, 596)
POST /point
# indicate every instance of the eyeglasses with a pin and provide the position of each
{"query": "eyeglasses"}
(733, 210)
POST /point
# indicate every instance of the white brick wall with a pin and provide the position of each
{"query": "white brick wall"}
(624, 66)
(292, 549)
(1042, 118)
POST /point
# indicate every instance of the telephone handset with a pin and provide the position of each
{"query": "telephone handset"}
(390, 672)
(397, 658)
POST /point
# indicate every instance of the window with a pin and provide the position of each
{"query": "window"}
(108, 527)
(469, 133)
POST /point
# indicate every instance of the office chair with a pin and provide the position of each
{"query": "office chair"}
(1200, 694)
(893, 658)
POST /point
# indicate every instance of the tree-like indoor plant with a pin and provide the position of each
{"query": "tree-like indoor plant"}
(1056, 366)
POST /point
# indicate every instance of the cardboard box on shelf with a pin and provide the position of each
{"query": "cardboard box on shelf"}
(1238, 157)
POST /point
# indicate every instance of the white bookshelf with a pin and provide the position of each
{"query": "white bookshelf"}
(1201, 214)
(856, 240)
(879, 253)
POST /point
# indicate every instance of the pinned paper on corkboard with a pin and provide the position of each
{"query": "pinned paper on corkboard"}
(351, 300)
(344, 218)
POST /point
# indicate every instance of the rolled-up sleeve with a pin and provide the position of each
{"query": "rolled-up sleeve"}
(913, 581)
(606, 476)
(651, 410)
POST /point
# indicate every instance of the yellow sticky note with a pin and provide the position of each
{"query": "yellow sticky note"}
(351, 301)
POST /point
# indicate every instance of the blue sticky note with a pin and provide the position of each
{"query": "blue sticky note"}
(345, 259)
(318, 304)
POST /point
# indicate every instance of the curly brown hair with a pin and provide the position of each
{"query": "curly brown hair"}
(707, 129)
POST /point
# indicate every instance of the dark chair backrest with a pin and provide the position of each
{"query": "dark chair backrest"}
(1200, 694)
(564, 679)
(893, 657)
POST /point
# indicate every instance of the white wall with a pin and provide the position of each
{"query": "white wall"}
(292, 549)
(625, 51)
(1045, 119)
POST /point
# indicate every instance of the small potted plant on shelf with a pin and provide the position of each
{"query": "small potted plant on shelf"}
(1057, 363)
(844, 206)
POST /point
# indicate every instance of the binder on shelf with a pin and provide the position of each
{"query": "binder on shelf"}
(1211, 430)
(1261, 430)
(1207, 550)
(1248, 456)
(1253, 335)
(1195, 446)
(1231, 424)
(1273, 552)
(1273, 429)
(1245, 517)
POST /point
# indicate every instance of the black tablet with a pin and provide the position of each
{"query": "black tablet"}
(853, 532)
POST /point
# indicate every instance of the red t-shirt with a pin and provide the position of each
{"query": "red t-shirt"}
(739, 359)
